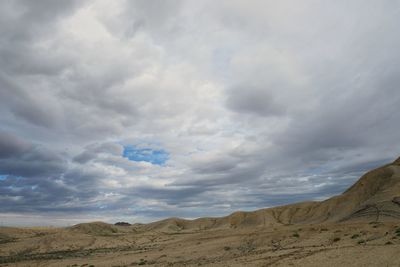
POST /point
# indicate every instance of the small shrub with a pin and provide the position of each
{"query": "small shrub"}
(296, 235)
(227, 248)
(336, 239)
(362, 241)
(324, 229)
(355, 236)
(388, 243)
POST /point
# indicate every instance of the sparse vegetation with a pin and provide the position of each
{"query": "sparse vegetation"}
(61, 254)
(247, 247)
(355, 236)
(6, 239)
(122, 224)
(397, 231)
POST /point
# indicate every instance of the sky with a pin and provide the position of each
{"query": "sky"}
(141, 110)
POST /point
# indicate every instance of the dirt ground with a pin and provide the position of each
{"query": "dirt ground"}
(350, 244)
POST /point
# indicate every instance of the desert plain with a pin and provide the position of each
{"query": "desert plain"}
(360, 227)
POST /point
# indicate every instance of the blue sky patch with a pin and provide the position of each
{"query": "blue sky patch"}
(154, 156)
(3, 177)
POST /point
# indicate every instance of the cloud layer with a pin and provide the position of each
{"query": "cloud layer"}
(248, 104)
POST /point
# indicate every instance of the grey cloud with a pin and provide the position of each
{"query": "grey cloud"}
(21, 59)
(294, 109)
(11, 146)
(83, 177)
(25, 19)
(253, 99)
(92, 151)
(84, 157)
(25, 194)
(23, 159)
(354, 123)
(214, 165)
(155, 17)
(23, 24)
(171, 195)
(24, 106)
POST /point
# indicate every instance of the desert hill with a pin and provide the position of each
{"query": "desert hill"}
(360, 227)
(374, 197)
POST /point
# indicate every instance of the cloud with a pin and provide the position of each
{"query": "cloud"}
(229, 105)
(249, 99)
(20, 158)
(11, 146)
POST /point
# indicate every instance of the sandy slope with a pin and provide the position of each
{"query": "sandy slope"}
(360, 227)
(334, 244)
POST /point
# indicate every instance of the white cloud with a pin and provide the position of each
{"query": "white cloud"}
(257, 103)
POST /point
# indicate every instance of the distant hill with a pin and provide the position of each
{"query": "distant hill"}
(374, 197)
(357, 228)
